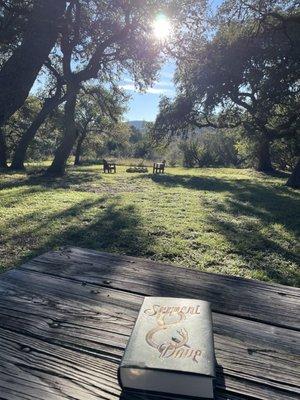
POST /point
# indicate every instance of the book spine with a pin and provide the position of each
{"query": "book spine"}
(119, 378)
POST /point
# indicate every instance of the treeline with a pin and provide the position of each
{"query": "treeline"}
(227, 148)
(97, 122)
(101, 131)
(102, 134)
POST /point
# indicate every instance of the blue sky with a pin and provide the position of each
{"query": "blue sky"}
(144, 106)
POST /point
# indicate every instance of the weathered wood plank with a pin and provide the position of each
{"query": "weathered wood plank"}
(258, 360)
(273, 304)
(48, 371)
(60, 297)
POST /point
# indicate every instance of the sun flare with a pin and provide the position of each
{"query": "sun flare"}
(161, 27)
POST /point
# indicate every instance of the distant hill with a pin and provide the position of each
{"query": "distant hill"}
(140, 125)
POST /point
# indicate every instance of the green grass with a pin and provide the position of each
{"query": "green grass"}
(228, 221)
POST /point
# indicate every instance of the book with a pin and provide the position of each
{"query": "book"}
(171, 349)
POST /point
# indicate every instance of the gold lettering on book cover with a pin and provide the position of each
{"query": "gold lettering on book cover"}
(166, 320)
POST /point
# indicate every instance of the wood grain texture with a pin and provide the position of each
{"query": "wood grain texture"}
(275, 304)
(66, 316)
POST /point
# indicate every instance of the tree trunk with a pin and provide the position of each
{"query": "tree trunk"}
(3, 151)
(78, 151)
(58, 166)
(263, 157)
(28, 136)
(294, 179)
(21, 69)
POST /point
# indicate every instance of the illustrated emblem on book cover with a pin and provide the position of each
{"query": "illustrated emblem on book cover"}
(169, 336)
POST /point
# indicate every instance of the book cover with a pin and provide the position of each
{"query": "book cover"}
(171, 348)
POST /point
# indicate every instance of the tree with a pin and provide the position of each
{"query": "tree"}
(19, 72)
(136, 135)
(98, 111)
(47, 137)
(20, 122)
(294, 179)
(145, 146)
(245, 72)
(210, 148)
(106, 39)
(284, 154)
(96, 40)
(13, 21)
(49, 105)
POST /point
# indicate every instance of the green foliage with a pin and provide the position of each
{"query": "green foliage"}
(113, 142)
(13, 22)
(136, 135)
(211, 148)
(193, 153)
(48, 136)
(228, 221)
(246, 150)
(21, 120)
(46, 139)
(144, 146)
(284, 154)
(98, 114)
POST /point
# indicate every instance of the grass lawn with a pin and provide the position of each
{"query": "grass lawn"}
(226, 221)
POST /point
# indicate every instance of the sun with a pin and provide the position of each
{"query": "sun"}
(161, 27)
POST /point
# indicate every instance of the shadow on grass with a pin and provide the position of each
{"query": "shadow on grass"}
(259, 251)
(74, 178)
(117, 229)
(94, 224)
(243, 218)
(264, 201)
(105, 224)
(278, 174)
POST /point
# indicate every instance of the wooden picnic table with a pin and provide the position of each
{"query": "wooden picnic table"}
(65, 318)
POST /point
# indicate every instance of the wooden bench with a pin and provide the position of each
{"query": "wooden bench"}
(159, 168)
(109, 167)
(66, 316)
